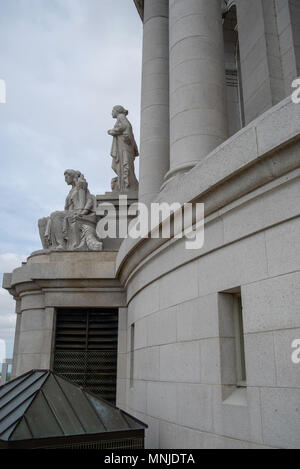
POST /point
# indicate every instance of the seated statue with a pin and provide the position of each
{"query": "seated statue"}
(74, 229)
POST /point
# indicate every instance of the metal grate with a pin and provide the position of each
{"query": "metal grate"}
(86, 349)
(132, 443)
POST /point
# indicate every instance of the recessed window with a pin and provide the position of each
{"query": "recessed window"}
(239, 341)
(232, 343)
(132, 356)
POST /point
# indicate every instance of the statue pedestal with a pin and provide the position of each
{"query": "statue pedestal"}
(121, 204)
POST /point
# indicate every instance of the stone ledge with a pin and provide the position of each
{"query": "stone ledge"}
(66, 280)
(82, 269)
(41, 257)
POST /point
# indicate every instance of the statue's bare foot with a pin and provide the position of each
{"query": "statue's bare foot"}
(60, 247)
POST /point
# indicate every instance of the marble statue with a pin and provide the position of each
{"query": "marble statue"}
(73, 229)
(124, 151)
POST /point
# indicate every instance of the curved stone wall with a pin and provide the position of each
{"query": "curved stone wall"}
(183, 381)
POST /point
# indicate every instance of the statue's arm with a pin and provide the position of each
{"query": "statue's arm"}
(118, 129)
(88, 206)
(68, 204)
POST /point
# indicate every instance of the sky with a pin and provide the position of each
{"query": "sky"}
(65, 64)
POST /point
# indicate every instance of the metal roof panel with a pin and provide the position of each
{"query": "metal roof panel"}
(41, 405)
(61, 408)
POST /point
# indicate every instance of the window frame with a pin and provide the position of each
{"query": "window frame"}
(132, 346)
(241, 373)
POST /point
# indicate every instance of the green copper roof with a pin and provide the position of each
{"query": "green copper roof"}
(40, 404)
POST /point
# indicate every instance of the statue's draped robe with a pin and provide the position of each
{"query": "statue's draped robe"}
(61, 229)
(124, 151)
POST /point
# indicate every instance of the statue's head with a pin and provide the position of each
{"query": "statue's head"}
(119, 110)
(71, 175)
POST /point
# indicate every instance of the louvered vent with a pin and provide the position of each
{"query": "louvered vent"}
(86, 349)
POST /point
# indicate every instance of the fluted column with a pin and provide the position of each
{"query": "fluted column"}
(198, 122)
(155, 130)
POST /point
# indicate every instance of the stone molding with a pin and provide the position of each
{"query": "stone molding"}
(56, 275)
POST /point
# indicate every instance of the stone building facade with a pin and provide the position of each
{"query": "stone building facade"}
(205, 336)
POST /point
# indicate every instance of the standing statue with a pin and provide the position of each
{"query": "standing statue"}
(74, 229)
(124, 151)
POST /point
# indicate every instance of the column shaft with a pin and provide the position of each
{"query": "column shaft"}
(198, 121)
(154, 161)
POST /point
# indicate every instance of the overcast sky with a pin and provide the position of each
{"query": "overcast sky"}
(66, 63)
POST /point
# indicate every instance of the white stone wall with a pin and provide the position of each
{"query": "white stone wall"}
(36, 335)
(179, 381)
(184, 379)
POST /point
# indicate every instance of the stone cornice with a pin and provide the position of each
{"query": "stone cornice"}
(64, 270)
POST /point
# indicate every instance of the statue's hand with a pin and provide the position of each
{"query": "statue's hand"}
(72, 217)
